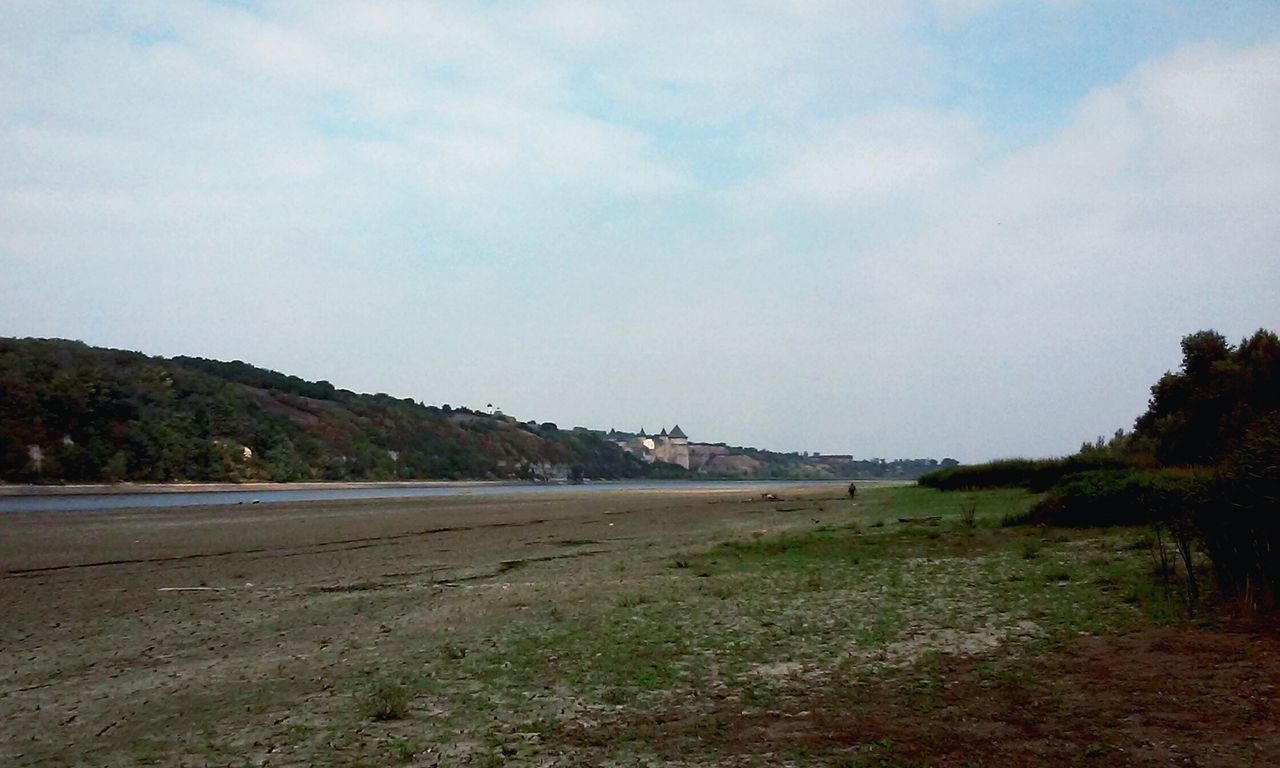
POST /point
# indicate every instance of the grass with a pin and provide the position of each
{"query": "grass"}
(756, 620)
(643, 667)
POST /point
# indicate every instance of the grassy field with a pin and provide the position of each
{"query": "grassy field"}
(825, 632)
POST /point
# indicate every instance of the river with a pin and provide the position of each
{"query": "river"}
(52, 501)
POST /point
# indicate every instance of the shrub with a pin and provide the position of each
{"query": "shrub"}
(385, 699)
(1121, 497)
(1240, 526)
(1033, 474)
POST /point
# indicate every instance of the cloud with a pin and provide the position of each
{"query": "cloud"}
(774, 217)
(870, 159)
(1067, 271)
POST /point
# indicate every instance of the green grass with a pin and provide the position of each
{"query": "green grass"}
(754, 622)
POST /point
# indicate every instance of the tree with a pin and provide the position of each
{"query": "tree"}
(1199, 414)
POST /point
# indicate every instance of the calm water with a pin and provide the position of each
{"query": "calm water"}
(102, 501)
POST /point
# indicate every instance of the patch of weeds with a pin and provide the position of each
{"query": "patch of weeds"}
(615, 696)
(879, 523)
(760, 695)
(1158, 606)
(493, 759)
(718, 588)
(968, 512)
(545, 727)
(1015, 673)
(453, 651)
(403, 751)
(1030, 549)
(653, 675)
(633, 600)
(878, 632)
(803, 550)
(1014, 519)
(385, 699)
(813, 581)
(145, 753)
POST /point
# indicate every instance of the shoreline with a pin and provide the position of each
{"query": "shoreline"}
(96, 489)
(111, 489)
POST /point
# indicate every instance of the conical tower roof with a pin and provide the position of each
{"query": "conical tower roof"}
(677, 432)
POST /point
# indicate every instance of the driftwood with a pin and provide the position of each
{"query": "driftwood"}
(770, 497)
(928, 519)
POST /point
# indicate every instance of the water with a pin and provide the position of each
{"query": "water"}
(196, 498)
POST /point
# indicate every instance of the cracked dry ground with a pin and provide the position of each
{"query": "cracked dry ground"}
(628, 628)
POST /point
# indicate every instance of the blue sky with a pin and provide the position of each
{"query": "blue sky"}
(971, 228)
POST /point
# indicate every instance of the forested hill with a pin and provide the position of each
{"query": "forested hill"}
(75, 413)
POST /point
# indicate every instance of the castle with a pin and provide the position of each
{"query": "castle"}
(671, 447)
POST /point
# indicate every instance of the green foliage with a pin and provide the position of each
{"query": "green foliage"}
(1240, 528)
(1202, 413)
(1117, 497)
(1212, 430)
(1035, 475)
(74, 413)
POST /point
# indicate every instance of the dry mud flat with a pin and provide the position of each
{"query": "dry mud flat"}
(128, 635)
(636, 628)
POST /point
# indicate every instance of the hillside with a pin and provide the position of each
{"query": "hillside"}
(70, 412)
(75, 413)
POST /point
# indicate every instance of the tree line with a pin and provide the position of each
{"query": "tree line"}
(1201, 466)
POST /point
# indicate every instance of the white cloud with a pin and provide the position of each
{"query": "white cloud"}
(1071, 268)
(892, 153)
(562, 185)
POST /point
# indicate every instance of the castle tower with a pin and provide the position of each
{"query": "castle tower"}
(673, 447)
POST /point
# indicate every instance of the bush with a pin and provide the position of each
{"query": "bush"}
(1240, 527)
(1036, 475)
(385, 699)
(1121, 497)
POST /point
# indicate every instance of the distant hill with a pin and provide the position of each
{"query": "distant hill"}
(75, 413)
(70, 412)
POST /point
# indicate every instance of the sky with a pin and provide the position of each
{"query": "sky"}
(946, 228)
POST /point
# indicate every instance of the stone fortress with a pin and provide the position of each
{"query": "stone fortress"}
(671, 447)
(674, 448)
